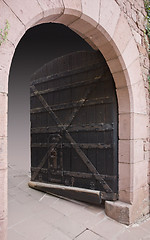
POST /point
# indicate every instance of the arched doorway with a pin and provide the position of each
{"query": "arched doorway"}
(74, 126)
(102, 28)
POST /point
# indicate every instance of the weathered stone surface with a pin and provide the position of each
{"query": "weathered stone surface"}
(3, 152)
(3, 81)
(124, 126)
(131, 151)
(90, 11)
(52, 9)
(115, 65)
(3, 229)
(140, 174)
(3, 195)
(6, 52)
(133, 73)
(3, 114)
(123, 100)
(130, 126)
(89, 41)
(72, 7)
(122, 34)
(140, 124)
(109, 15)
(96, 37)
(140, 207)
(138, 93)
(66, 19)
(120, 79)
(119, 211)
(137, 36)
(81, 27)
(29, 12)
(126, 196)
(7, 14)
(108, 51)
(125, 173)
(72, 11)
(116, 28)
(134, 54)
(129, 213)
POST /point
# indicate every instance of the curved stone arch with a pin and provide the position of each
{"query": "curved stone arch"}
(102, 24)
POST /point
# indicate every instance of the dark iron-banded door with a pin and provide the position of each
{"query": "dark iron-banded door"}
(74, 124)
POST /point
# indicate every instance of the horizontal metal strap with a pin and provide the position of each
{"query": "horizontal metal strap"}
(68, 86)
(86, 175)
(65, 73)
(75, 128)
(63, 106)
(74, 174)
(69, 145)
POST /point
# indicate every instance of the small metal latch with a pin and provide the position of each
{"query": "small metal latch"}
(53, 158)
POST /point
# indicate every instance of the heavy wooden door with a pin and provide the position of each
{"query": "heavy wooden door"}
(74, 124)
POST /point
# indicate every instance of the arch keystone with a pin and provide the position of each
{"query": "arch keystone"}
(52, 9)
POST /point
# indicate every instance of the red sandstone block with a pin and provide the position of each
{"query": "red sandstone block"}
(3, 81)
(3, 229)
(97, 38)
(125, 176)
(122, 34)
(133, 73)
(6, 54)
(138, 93)
(90, 10)
(81, 27)
(140, 178)
(124, 151)
(3, 195)
(137, 153)
(108, 51)
(133, 14)
(27, 11)
(137, 36)
(17, 28)
(3, 114)
(129, 213)
(125, 126)
(72, 11)
(126, 196)
(130, 53)
(123, 100)
(120, 79)
(109, 16)
(51, 10)
(119, 211)
(66, 19)
(3, 152)
(89, 41)
(115, 65)
(131, 151)
(140, 122)
(72, 6)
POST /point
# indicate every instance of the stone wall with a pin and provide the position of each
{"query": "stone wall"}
(134, 12)
(121, 41)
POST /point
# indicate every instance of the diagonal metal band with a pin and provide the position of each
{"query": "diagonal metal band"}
(71, 140)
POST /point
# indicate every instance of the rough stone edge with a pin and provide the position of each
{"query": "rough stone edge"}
(123, 212)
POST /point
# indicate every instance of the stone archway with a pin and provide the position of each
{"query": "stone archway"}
(104, 27)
